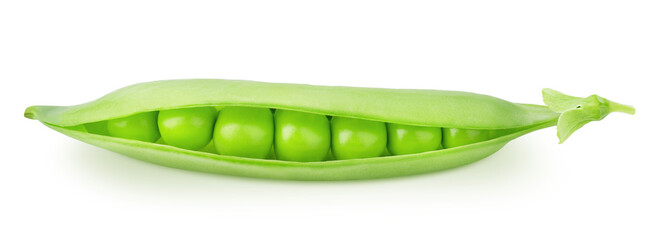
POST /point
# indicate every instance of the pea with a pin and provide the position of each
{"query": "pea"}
(244, 132)
(188, 128)
(355, 138)
(141, 126)
(99, 128)
(407, 139)
(454, 137)
(300, 136)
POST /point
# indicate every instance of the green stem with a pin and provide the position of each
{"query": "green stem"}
(575, 112)
(617, 107)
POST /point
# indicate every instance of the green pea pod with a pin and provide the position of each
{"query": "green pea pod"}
(427, 108)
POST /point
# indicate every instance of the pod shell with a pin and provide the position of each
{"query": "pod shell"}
(351, 169)
(434, 108)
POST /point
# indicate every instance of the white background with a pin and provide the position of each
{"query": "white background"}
(610, 180)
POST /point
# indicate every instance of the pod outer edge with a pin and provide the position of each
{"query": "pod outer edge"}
(352, 169)
(405, 106)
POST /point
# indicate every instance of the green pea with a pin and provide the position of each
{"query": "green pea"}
(244, 132)
(99, 128)
(300, 136)
(454, 137)
(188, 128)
(141, 126)
(355, 138)
(407, 139)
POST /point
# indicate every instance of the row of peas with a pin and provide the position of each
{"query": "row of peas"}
(283, 134)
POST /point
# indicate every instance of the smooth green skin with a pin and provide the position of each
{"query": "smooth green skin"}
(353, 169)
(99, 128)
(300, 136)
(244, 132)
(447, 109)
(188, 128)
(495, 133)
(406, 139)
(141, 127)
(455, 137)
(356, 138)
(405, 106)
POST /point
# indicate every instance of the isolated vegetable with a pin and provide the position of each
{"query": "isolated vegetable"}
(244, 132)
(356, 138)
(455, 137)
(141, 126)
(417, 122)
(300, 136)
(407, 139)
(188, 128)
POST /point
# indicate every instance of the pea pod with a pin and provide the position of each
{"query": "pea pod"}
(430, 109)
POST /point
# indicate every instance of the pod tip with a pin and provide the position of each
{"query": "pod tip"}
(30, 113)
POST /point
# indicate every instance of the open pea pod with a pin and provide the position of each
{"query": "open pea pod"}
(487, 123)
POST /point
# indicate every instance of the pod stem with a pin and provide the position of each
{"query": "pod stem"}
(575, 112)
(617, 107)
